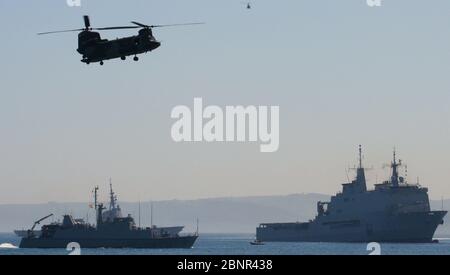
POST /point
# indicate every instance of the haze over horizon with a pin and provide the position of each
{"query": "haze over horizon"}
(104, 199)
(224, 215)
(342, 73)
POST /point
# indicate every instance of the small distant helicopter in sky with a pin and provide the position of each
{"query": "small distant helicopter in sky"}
(248, 5)
(95, 49)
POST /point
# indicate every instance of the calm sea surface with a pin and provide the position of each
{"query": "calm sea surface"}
(232, 244)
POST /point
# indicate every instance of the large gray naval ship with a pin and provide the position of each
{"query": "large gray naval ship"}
(394, 211)
(112, 230)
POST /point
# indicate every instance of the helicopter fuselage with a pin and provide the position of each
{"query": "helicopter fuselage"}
(95, 49)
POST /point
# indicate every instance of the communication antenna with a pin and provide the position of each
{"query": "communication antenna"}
(360, 156)
(360, 161)
(197, 227)
(346, 172)
(406, 173)
(139, 211)
(151, 214)
(112, 196)
(95, 191)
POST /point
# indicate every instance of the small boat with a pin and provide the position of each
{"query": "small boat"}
(256, 242)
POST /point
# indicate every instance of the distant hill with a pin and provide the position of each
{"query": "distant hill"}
(216, 215)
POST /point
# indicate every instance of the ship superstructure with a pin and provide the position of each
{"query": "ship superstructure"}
(111, 230)
(395, 211)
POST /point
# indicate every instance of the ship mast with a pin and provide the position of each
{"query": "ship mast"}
(112, 197)
(151, 214)
(394, 166)
(95, 197)
(360, 157)
(98, 207)
(360, 174)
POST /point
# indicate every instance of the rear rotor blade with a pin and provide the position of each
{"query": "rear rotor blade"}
(87, 22)
(77, 30)
(175, 25)
(99, 29)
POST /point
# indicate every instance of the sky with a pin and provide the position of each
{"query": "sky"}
(342, 73)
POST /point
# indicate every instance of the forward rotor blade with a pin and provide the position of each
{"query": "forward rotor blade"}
(140, 24)
(175, 25)
(77, 30)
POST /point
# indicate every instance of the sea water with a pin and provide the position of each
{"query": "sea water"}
(239, 244)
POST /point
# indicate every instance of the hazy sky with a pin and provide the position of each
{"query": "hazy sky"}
(342, 73)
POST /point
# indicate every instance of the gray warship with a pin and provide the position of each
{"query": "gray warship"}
(111, 230)
(395, 211)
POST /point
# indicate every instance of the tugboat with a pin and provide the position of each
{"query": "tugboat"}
(395, 211)
(111, 231)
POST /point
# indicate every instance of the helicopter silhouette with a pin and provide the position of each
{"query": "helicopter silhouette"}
(248, 5)
(95, 49)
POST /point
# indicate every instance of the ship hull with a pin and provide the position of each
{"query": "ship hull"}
(416, 227)
(171, 231)
(183, 242)
(24, 233)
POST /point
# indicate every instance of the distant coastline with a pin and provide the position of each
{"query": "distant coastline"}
(232, 215)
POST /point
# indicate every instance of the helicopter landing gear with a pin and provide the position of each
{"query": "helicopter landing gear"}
(123, 57)
(136, 58)
(101, 63)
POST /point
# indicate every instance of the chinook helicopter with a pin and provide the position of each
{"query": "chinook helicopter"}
(95, 49)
